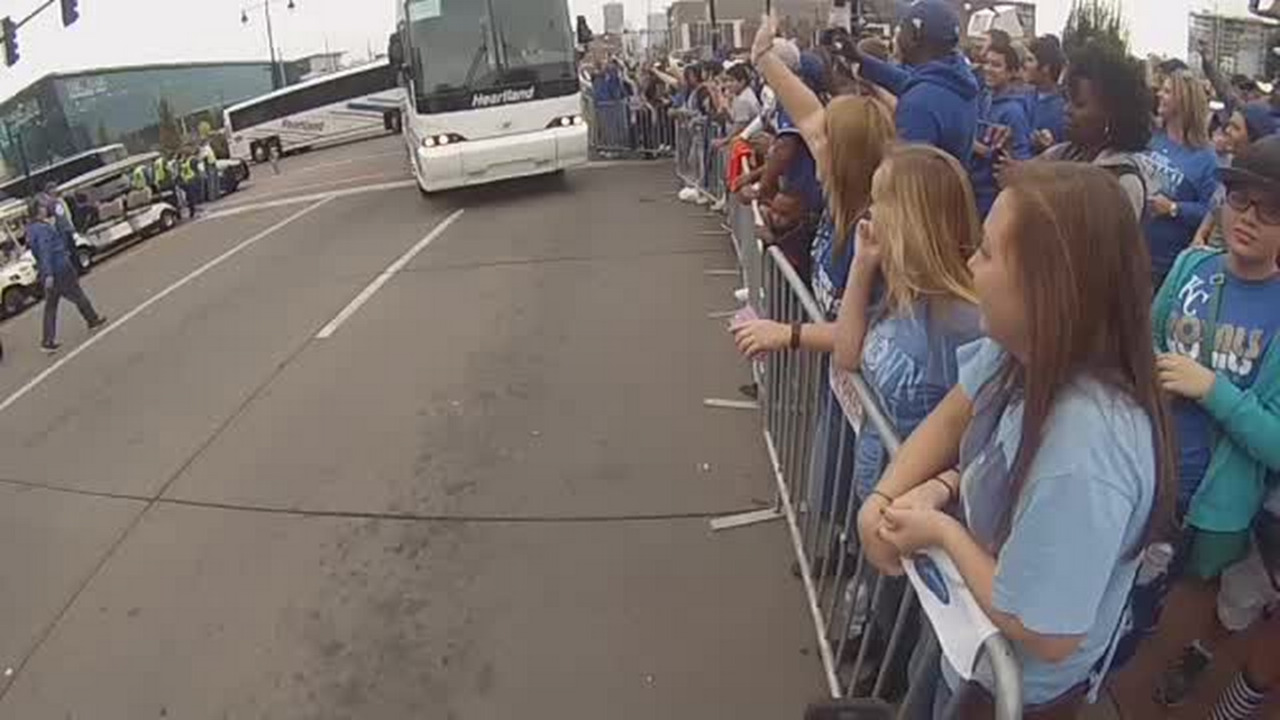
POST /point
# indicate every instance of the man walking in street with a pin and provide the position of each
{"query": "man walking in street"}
(61, 215)
(57, 276)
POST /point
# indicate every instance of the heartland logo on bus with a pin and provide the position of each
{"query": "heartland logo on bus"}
(304, 125)
(480, 100)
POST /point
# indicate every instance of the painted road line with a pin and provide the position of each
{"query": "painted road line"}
(286, 191)
(115, 325)
(731, 404)
(354, 306)
(314, 197)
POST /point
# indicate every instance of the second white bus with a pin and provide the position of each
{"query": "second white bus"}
(349, 105)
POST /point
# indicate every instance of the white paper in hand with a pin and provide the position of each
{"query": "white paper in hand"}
(958, 621)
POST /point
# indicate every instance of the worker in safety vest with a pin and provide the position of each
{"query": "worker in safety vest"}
(189, 173)
(160, 173)
(140, 178)
(212, 178)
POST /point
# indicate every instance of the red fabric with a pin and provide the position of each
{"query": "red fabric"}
(739, 150)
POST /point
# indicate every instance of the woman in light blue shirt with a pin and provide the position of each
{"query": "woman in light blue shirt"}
(1055, 441)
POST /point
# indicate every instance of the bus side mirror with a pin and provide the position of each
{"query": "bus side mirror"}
(395, 51)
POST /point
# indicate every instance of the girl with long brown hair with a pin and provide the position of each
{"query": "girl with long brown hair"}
(1056, 440)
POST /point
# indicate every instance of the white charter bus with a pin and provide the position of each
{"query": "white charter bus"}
(348, 105)
(492, 90)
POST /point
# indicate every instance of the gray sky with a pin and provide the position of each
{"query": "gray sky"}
(126, 32)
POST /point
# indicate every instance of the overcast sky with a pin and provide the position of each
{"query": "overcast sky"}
(126, 32)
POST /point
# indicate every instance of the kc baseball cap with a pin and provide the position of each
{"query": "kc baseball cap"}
(1258, 165)
(934, 21)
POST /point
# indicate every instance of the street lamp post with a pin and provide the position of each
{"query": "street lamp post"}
(277, 81)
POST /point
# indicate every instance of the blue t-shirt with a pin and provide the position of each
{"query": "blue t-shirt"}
(830, 271)
(1187, 176)
(909, 361)
(1247, 321)
(1070, 559)
(802, 175)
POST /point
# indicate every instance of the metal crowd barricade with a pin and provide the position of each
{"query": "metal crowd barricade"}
(610, 126)
(699, 163)
(872, 638)
(684, 132)
(629, 128)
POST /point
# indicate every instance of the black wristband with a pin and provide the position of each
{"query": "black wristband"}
(953, 495)
(795, 336)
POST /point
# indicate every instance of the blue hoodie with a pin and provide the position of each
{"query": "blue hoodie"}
(1050, 113)
(937, 101)
(1009, 109)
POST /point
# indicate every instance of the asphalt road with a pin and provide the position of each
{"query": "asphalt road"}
(484, 494)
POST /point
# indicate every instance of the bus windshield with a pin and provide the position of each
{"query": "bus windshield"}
(461, 47)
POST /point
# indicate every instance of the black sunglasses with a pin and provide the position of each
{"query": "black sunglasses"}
(1267, 205)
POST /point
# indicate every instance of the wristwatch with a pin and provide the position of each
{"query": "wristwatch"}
(1173, 210)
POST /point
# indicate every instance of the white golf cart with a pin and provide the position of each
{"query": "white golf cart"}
(111, 211)
(19, 276)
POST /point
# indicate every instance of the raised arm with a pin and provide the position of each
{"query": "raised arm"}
(794, 96)
(851, 326)
(885, 74)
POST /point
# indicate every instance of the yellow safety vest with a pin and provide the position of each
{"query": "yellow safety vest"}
(161, 172)
(189, 170)
(140, 178)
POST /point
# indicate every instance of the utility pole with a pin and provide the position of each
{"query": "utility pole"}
(276, 83)
(715, 29)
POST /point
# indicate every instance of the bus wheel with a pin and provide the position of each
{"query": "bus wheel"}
(84, 259)
(13, 300)
(393, 122)
(259, 153)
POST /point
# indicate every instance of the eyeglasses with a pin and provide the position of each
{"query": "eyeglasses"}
(1266, 206)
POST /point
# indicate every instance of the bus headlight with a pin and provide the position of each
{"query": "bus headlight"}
(441, 139)
(566, 121)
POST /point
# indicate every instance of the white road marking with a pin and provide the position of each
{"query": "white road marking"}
(354, 306)
(103, 333)
(731, 404)
(285, 191)
(314, 197)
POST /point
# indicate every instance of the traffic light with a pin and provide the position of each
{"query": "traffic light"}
(9, 34)
(70, 12)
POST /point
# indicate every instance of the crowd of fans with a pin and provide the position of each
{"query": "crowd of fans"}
(1060, 276)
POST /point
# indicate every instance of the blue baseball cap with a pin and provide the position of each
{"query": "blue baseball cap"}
(1258, 120)
(935, 21)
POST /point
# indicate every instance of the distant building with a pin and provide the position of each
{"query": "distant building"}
(689, 23)
(63, 114)
(657, 31)
(314, 66)
(1240, 45)
(615, 18)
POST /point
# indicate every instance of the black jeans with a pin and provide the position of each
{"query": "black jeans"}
(65, 284)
